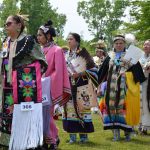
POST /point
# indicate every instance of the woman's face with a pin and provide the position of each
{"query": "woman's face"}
(12, 27)
(146, 47)
(119, 45)
(41, 38)
(99, 53)
(72, 43)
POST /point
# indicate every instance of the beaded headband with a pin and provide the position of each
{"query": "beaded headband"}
(119, 38)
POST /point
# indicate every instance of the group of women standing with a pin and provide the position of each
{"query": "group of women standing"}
(34, 78)
(26, 115)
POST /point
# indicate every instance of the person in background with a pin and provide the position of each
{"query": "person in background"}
(145, 101)
(98, 59)
(59, 80)
(21, 65)
(100, 53)
(83, 79)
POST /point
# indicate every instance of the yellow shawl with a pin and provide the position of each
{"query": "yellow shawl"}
(132, 100)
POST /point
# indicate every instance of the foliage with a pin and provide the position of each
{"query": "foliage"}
(39, 12)
(1, 39)
(8, 7)
(60, 41)
(103, 16)
(140, 23)
(0, 44)
(91, 49)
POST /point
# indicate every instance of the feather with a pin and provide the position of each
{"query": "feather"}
(79, 64)
(112, 55)
(130, 38)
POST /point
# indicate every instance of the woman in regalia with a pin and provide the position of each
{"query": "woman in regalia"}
(120, 107)
(145, 103)
(59, 81)
(83, 79)
(21, 66)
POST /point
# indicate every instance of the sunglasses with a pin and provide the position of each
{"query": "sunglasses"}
(7, 24)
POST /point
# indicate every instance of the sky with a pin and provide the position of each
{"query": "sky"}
(75, 23)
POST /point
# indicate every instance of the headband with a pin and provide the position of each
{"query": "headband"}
(119, 38)
(45, 29)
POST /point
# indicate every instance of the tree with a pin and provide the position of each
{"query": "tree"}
(103, 16)
(39, 11)
(7, 8)
(90, 48)
(32, 9)
(140, 23)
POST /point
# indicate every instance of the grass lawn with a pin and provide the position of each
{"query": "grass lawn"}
(102, 140)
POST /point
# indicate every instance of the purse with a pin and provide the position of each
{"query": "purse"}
(86, 96)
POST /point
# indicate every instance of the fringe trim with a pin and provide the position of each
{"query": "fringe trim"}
(63, 99)
(27, 128)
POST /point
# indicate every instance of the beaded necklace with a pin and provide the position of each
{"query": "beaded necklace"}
(22, 47)
(72, 55)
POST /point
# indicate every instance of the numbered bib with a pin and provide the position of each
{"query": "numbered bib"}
(46, 97)
(27, 106)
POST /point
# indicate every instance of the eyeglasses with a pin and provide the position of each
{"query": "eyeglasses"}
(7, 24)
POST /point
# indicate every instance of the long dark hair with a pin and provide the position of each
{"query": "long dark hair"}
(77, 38)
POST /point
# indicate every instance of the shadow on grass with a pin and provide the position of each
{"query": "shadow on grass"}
(140, 142)
(134, 141)
(91, 144)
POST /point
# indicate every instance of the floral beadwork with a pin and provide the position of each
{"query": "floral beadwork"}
(27, 84)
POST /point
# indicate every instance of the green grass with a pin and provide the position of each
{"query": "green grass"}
(102, 140)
